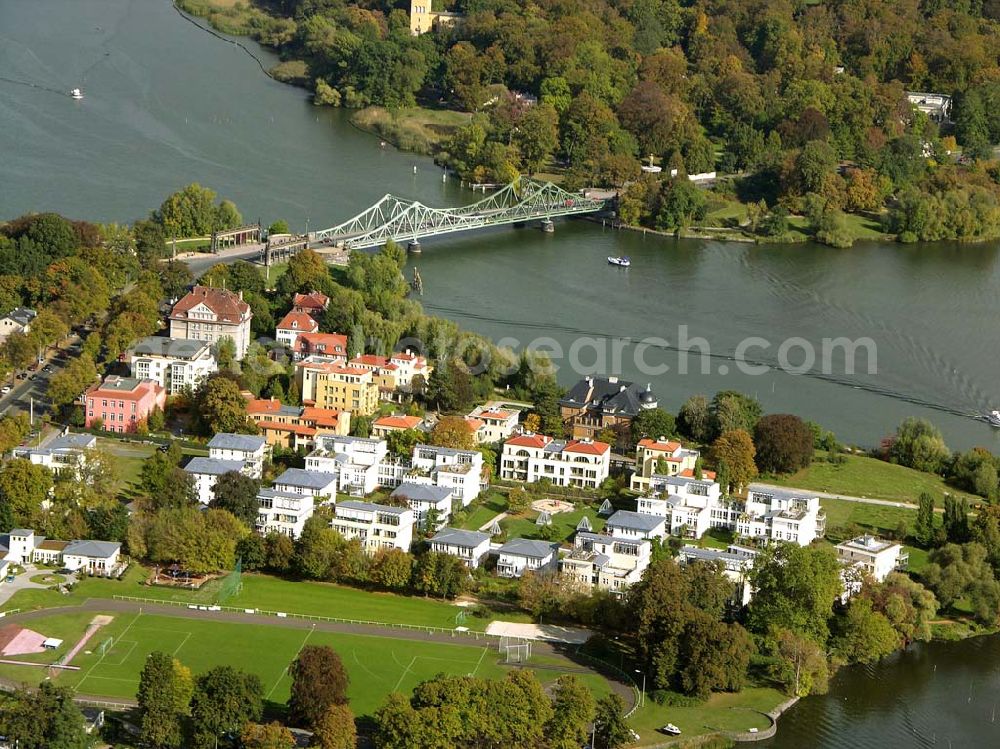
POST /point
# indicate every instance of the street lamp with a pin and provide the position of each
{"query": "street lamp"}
(642, 694)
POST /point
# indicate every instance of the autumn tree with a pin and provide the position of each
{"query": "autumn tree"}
(799, 664)
(225, 699)
(783, 443)
(335, 728)
(735, 449)
(573, 710)
(267, 736)
(454, 432)
(319, 682)
(237, 493)
(165, 689)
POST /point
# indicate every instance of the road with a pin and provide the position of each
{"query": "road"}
(35, 386)
(200, 262)
(103, 605)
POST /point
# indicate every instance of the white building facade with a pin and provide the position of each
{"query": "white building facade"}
(250, 449)
(469, 546)
(579, 463)
(176, 364)
(376, 526)
(283, 512)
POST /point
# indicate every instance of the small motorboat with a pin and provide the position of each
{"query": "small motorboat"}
(671, 730)
(994, 418)
(76, 93)
(621, 261)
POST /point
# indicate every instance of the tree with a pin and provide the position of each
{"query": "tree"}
(221, 407)
(735, 448)
(225, 699)
(918, 444)
(653, 423)
(680, 204)
(278, 227)
(784, 443)
(611, 728)
(24, 486)
(537, 135)
(268, 736)
(907, 604)
(695, 419)
(799, 664)
(402, 441)
(963, 572)
(319, 682)
(956, 519)
(454, 432)
(732, 410)
(336, 729)
(165, 689)
(44, 719)
(863, 634)
(795, 590)
(237, 493)
(391, 568)
(573, 710)
(361, 426)
(280, 551)
(713, 655)
(251, 550)
(924, 528)
(440, 575)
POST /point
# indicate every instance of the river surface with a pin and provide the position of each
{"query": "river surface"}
(940, 694)
(167, 103)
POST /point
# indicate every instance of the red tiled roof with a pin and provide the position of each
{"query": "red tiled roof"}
(651, 444)
(313, 300)
(370, 360)
(263, 406)
(689, 474)
(293, 428)
(227, 305)
(497, 415)
(529, 440)
(335, 367)
(332, 343)
(321, 416)
(397, 422)
(473, 423)
(298, 321)
(587, 448)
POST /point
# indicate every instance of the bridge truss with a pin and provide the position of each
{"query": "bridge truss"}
(410, 220)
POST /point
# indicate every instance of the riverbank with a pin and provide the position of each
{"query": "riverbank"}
(415, 129)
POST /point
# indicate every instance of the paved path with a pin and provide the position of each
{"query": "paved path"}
(847, 497)
(21, 582)
(101, 605)
(486, 526)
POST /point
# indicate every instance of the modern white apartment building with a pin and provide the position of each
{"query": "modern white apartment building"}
(67, 452)
(283, 512)
(520, 555)
(248, 448)
(376, 526)
(461, 471)
(175, 364)
(876, 556)
(424, 498)
(496, 422)
(690, 506)
(605, 562)
(469, 546)
(530, 457)
(627, 524)
(781, 515)
(314, 483)
(206, 472)
(736, 563)
(354, 461)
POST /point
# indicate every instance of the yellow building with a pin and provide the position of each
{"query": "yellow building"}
(424, 18)
(329, 383)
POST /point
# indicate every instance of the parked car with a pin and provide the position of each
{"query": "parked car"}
(5, 389)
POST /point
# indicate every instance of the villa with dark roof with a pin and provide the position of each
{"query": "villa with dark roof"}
(596, 404)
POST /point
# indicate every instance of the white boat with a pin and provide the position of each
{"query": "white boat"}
(76, 93)
(994, 418)
(671, 729)
(621, 262)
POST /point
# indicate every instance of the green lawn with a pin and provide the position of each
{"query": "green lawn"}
(269, 594)
(482, 510)
(277, 271)
(376, 665)
(722, 711)
(861, 476)
(130, 457)
(564, 523)
(879, 519)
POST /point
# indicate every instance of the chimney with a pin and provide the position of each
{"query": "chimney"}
(241, 295)
(613, 380)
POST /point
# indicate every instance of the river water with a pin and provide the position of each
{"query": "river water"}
(167, 103)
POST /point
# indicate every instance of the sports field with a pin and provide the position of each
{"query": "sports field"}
(377, 665)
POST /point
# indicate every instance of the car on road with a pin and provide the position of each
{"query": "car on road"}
(48, 368)
(5, 389)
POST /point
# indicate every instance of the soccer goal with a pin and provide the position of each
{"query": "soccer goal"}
(514, 649)
(105, 646)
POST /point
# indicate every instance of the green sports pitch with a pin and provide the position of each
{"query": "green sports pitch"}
(376, 665)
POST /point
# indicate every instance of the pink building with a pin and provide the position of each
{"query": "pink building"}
(120, 403)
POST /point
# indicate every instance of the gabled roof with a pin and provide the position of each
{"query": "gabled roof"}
(126, 388)
(314, 300)
(526, 547)
(95, 549)
(21, 315)
(607, 394)
(272, 406)
(398, 422)
(329, 343)
(245, 442)
(457, 537)
(213, 466)
(635, 521)
(299, 321)
(72, 442)
(529, 440)
(422, 492)
(228, 306)
(305, 479)
(175, 348)
(587, 447)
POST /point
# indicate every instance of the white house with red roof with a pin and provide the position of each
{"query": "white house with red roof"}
(209, 314)
(332, 345)
(313, 303)
(530, 457)
(677, 461)
(383, 425)
(293, 325)
(496, 423)
(409, 365)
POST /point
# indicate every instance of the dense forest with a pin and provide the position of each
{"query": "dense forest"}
(804, 101)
